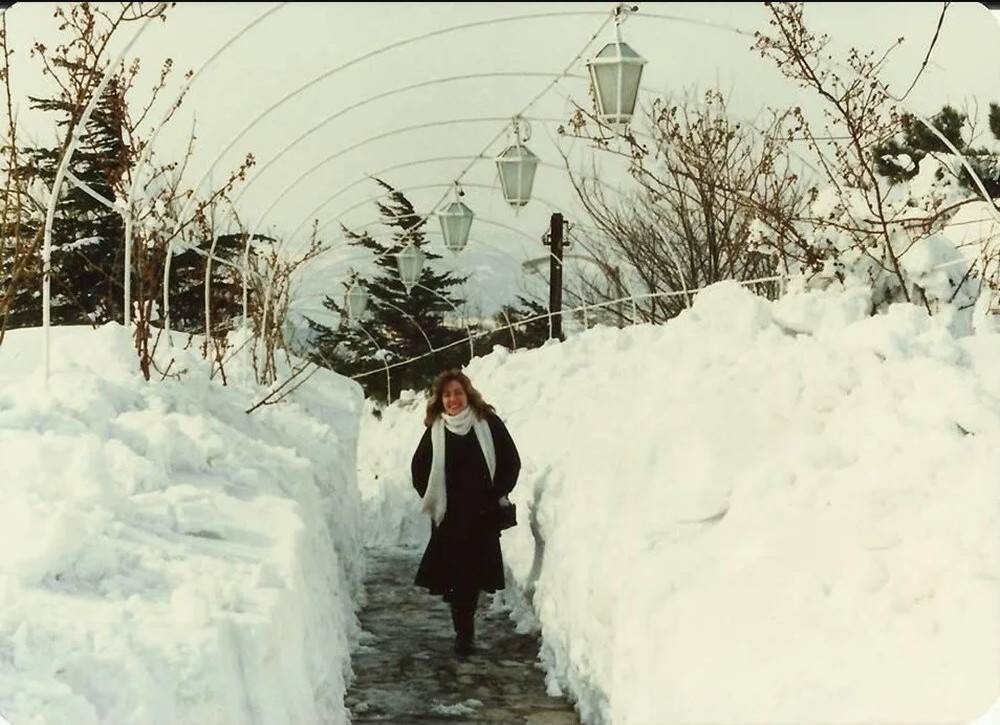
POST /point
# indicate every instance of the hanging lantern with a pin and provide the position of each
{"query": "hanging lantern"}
(614, 77)
(411, 262)
(356, 301)
(517, 166)
(456, 221)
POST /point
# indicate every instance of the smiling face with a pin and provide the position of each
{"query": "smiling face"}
(453, 397)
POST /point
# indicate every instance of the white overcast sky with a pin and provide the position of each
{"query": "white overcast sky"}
(696, 48)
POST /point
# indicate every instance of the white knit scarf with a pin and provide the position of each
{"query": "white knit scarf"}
(435, 501)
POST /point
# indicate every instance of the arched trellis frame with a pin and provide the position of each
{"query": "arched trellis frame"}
(340, 112)
(565, 73)
(329, 119)
(327, 74)
(68, 153)
(144, 161)
(259, 225)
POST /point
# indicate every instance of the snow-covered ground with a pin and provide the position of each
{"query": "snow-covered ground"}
(165, 557)
(758, 513)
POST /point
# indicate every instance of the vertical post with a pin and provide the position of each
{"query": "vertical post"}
(555, 242)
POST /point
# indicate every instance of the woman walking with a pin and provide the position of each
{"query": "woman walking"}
(464, 466)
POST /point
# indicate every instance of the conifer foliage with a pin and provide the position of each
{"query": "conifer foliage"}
(87, 269)
(899, 158)
(398, 324)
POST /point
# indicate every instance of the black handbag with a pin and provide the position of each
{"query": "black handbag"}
(506, 516)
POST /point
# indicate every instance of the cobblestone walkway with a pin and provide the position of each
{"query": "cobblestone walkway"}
(407, 672)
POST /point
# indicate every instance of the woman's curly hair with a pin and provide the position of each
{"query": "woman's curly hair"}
(435, 406)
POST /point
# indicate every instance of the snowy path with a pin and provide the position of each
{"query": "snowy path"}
(407, 672)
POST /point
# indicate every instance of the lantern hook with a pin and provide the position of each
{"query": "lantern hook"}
(521, 129)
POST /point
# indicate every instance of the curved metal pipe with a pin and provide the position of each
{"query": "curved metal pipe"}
(329, 119)
(383, 49)
(372, 54)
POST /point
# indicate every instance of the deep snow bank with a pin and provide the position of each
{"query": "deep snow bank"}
(760, 512)
(165, 557)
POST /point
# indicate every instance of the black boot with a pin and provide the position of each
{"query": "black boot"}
(465, 632)
(463, 616)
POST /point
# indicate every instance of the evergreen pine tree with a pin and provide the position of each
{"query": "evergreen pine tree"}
(389, 329)
(87, 237)
(20, 258)
(187, 275)
(994, 120)
(916, 141)
(527, 334)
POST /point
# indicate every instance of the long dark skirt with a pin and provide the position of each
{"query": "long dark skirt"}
(462, 556)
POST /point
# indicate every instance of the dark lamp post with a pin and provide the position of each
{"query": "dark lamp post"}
(553, 239)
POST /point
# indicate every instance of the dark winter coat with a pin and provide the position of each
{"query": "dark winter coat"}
(464, 551)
